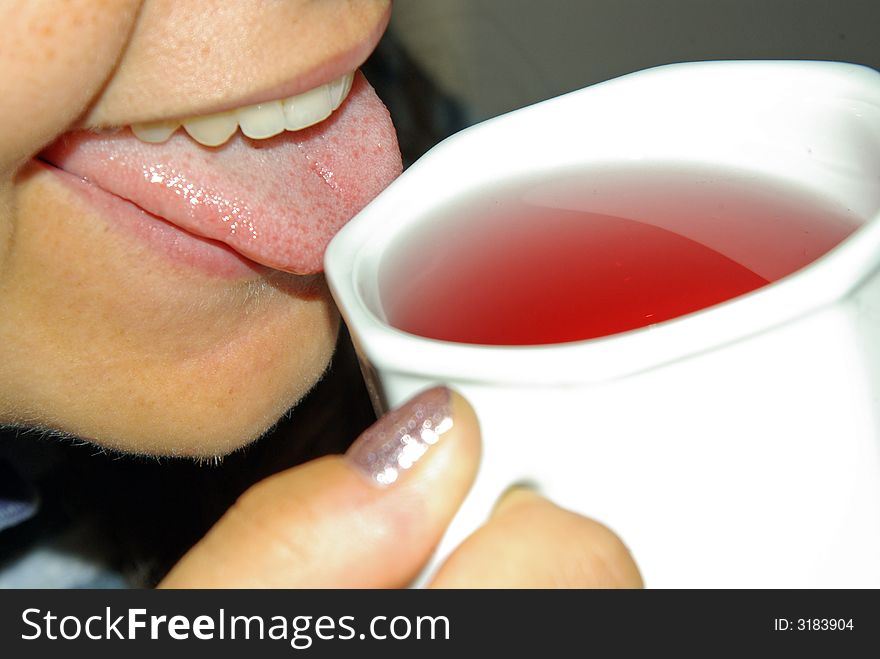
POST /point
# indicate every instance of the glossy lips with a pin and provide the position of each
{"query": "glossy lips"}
(276, 201)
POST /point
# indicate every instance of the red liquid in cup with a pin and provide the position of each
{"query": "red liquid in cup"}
(605, 253)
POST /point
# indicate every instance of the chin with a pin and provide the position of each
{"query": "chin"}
(203, 407)
(207, 428)
(226, 410)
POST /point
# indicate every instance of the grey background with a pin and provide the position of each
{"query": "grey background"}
(497, 55)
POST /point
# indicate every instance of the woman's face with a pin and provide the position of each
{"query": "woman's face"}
(166, 298)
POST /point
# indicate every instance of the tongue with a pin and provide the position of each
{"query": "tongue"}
(277, 201)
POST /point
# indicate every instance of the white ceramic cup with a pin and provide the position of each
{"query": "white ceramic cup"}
(736, 446)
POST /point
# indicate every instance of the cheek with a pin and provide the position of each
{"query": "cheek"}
(103, 338)
(55, 56)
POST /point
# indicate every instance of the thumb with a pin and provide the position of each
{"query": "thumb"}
(369, 519)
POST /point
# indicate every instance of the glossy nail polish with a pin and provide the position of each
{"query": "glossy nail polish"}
(399, 439)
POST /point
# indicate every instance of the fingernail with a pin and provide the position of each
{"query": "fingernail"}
(397, 441)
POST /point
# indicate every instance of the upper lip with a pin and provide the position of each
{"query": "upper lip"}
(322, 73)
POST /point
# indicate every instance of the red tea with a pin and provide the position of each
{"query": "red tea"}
(599, 254)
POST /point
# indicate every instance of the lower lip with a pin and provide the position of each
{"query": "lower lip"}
(179, 247)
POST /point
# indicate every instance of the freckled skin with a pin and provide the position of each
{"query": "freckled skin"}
(101, 336)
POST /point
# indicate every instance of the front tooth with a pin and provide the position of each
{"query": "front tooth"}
(339, 89)
(261, 120)
(212, 129)
(155, 131)
(308, 108)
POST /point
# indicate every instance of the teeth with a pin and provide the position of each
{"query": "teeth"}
(308, 108)
(212, 129)
(155, 132)
(262, 120)
(259, 121)
(339, 89)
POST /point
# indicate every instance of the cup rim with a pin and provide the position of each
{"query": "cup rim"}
(353, 256)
